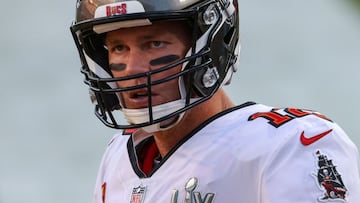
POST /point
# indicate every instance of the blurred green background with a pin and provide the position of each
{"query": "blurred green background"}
(357, 3)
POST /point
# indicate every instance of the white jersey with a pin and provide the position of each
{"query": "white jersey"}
(249, 154)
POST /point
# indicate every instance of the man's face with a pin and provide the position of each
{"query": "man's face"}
(142, 49)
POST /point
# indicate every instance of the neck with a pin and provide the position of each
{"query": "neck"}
(167, 140)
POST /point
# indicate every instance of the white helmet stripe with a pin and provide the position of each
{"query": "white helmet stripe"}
(98, 70)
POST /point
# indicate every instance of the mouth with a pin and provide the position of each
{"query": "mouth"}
(139, 99)
(140, 94)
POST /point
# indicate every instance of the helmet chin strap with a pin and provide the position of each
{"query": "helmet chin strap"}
(138, 116)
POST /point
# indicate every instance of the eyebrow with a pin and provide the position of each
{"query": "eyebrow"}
(142, 37)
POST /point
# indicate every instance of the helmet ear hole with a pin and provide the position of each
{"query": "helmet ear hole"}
(205, 81)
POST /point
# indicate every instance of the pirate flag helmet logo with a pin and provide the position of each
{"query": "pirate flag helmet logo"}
(329, 179)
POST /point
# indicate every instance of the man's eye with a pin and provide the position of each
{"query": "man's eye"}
(119, 48)
(157, 44)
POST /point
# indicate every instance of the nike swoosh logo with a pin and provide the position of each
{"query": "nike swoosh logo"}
(308, 141)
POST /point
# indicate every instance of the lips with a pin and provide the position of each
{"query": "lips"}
(139, 94)
(138, 99)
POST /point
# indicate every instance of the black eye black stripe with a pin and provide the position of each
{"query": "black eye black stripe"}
(117, 67)
(154, 62)
(164, 60)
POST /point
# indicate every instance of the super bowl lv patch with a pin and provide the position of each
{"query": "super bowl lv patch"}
(329, 179)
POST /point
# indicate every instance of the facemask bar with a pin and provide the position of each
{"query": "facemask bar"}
(149, 83)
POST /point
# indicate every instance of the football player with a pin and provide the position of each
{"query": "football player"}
(155, 69)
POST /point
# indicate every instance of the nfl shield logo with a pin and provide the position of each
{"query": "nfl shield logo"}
(138, 194)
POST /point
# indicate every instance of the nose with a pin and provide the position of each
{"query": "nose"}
(136, 62)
